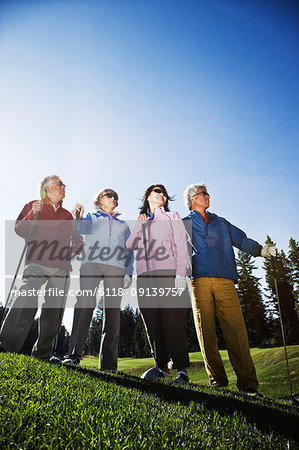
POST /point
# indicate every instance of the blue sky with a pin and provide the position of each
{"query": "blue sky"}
(124, 94)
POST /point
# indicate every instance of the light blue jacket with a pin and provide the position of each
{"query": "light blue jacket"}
(213, 254)
(105, 241)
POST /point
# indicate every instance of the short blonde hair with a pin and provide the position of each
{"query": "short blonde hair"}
(98, 196)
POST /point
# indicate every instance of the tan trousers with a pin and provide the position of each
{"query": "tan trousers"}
(218, 295)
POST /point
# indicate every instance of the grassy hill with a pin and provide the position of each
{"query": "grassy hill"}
(50, 407)
(269, 363)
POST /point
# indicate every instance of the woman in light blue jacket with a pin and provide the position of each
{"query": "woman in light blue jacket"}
(105, 258)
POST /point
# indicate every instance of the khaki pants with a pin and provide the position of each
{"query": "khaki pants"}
(218, 295)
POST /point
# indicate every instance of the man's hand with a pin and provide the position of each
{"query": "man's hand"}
(78, 208)
(268, 251)
(180, 283)
(127, 281)
(37, 206)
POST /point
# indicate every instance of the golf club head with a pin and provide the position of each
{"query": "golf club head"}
(55, 360)
(295, 401)
(151, 374)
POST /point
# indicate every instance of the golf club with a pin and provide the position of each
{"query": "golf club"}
(54, 359)
(154, 372)
(294, 400)
(27, 239)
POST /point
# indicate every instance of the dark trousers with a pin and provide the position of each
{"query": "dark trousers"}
(17, 324)
(164, 316)
(91, 274)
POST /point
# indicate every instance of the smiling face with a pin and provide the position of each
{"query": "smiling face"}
(200, 201)
(56, 191)
(156, 198)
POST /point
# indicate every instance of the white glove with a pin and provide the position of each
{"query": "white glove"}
(180, 283)
(268, 250)
(127, 281)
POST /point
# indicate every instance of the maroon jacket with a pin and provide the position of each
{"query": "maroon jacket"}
(51, 236)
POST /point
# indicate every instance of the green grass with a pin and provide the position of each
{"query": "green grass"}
(50, 407)
(269, 363)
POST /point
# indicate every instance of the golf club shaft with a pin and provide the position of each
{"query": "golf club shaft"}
(283, 335)
(149, 286)
(28, 237)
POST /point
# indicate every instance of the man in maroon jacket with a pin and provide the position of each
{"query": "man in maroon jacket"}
(45, 270)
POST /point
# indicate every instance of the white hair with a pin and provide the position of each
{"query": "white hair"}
(48, 181)
(190, 191)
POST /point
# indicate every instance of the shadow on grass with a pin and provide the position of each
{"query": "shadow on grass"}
(268, 415)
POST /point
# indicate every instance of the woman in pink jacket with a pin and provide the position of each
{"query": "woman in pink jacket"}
(159, 239)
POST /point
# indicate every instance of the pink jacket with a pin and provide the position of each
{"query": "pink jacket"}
(166, 243)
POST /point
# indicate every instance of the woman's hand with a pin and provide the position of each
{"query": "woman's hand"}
(180, 283)
(127, 281)
(143, 218)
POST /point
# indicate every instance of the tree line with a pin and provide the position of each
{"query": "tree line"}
(260, 308)
(260, 311)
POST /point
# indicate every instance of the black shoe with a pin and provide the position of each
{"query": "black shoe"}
(55, 360)
(72, 360)
(181, 378)
(252, 392)
(218, 385)
(51, 360)
(163, 374)
(2, 350)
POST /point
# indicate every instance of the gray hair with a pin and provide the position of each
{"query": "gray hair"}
(190, 191)
(97, 198)
(48, 181)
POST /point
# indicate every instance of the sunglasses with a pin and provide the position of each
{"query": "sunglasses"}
(205, 193)
(60, 183)
(159, 191)
(110, 195)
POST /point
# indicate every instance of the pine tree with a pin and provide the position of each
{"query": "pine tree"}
(141, 346)
(278, 268)
(126, 332)
(94, 333)
(294, 268)
(251, 300)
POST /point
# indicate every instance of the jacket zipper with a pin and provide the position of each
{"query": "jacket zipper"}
(211, 253)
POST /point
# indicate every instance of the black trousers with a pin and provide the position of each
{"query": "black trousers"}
(165, 315)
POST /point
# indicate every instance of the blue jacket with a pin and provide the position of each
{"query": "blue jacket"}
(105, 241)
(213, 254)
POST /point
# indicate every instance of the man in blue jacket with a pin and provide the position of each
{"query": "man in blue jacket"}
(214, 274)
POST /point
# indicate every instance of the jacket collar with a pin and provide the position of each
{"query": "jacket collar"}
(194, 215)
(105, 214)
(47, 201)
(159, 210)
